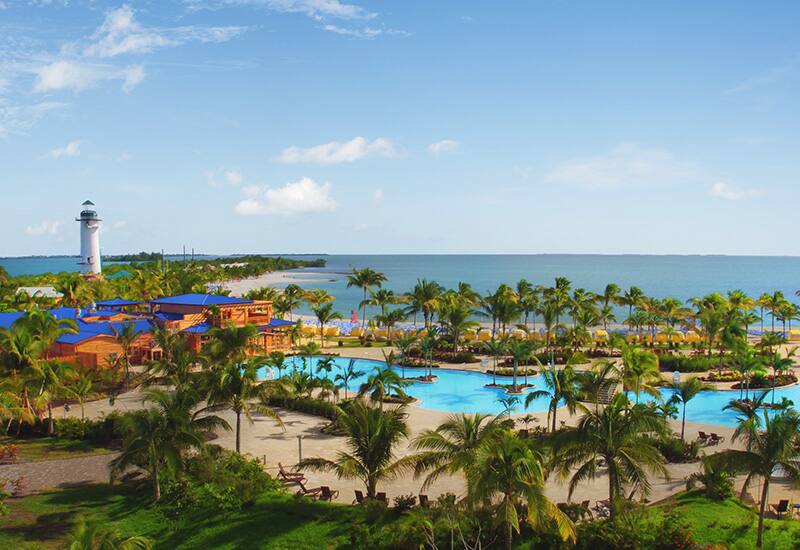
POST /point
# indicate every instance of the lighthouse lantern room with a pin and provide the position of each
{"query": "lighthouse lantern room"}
(90, 240)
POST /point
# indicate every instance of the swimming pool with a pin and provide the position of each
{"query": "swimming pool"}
(459, 391)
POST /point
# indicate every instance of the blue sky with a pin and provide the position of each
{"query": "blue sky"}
(291, 126)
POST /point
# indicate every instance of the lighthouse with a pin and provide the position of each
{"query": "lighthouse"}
(90, 240)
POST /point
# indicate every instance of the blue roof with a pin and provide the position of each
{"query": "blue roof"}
(90, 330)
(277, 323)
(161, 316)
(115, 302)
(201, 300)
(199, 328)
(7, 319)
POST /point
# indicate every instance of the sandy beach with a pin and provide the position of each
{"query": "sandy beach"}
(277, 279)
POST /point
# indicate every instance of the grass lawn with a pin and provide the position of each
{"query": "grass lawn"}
(275, 521)
(733, 524)
(37, 449)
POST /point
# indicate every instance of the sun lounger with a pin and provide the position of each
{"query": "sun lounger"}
(327, 494)
(359, 497)
(703, 437)
(316, 491)
(382, 497)
(715, 439)
(781, 508)
(290, 477)
(603, 508)
(424, 502)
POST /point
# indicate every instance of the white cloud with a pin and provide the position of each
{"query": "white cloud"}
(443, 146)
(133, 77)
(316, 9)
(16, 119)
(625, 165)
(726, 191)
(377, 196)
(71, 149)
(78, 76)
(336, 152)
(46, 227)
(299, 197)
(230, 176)
(121, 34)
(363, 32)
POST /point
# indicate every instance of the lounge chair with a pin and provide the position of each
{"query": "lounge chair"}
(703, 437)
(424, 502)
(327, 494)
(359, 497)
(290, 477)
(715, 439)
(382, 497)
(781, 508)
(523, 433)
(603, 508)
(316, 491)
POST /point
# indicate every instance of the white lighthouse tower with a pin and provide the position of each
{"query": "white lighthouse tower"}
(90, 240)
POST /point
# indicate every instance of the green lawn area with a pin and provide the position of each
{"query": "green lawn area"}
(51, 448)
(276, 521)
(734, 524)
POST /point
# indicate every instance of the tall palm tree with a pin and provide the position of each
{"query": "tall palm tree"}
(326, 364)
(765, 450)
(451, 448)
(380, 385)
(371, 436)
(520, 350)
(291, 298)
(631, 298)
(495, 347)
(325, 314)
(230, 344)
(640, 368)
(561, 387)
(617, 439)
(235, 386)
(686, 391)
(389, 320)
(155, 439)
(49, 378)
(404, 347)
(509, 473)
(454, 317)
(365, 279)
(424, 299)
(310, 349)
(126, 336)
(347, 374)
(80, 388)
(277, 361)
(591, 383)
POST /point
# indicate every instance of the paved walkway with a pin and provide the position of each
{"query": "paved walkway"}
(38, 477)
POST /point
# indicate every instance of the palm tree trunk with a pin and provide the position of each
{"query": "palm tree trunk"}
(555, 409)
(238, 430)
(364, 313)
(683, 421)
(515, 374)
(762, 507)
(50, 426)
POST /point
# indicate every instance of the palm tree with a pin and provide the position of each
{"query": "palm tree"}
(389, 320)
(617, 440)
(371, 435)
(89, 536)
(404, 347)
(593, 382)
(520, 350)
(234, 386)
(451, 448)
(380, 385)
(765, 451)
(640, 368)
(510, 473)
(686, 391)
(48, 378)
(325, 314)
(454, 317)
(126, 336)
(157, 438)
(290, 298)
(325, 364)
(365, 279)
(779, 364)
(230, 344)
(631, 298)
(310, 349)
(347, 374)
(317, 297)
(424, 298)
(561, 387)
(276, 360)
(80, 389)
(495, 347)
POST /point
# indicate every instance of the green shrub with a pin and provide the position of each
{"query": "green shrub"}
(308, 405)
(677, 451)
(403, 503)
(716, 481)
(695, 363)
(637, 530)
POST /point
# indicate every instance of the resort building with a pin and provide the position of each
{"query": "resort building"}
(191, 315)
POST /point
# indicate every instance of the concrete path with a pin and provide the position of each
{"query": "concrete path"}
(38, 477)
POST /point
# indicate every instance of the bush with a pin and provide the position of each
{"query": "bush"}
(636, 530)
(101, 431)
(716, 481)
(677, 451)
(403, 503)
(308, 405)
(696, 363)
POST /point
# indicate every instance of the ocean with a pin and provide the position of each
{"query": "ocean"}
(682, 277)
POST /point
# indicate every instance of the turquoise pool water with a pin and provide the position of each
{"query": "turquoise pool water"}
(459, 391)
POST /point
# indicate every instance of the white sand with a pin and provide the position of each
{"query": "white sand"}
(277, 279)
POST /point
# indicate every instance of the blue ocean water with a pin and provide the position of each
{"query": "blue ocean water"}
(459, 391)
(681, 277)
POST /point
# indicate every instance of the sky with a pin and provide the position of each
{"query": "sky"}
(354, 126)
